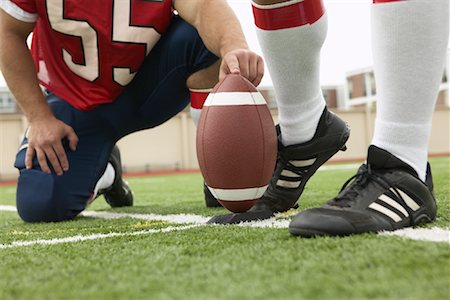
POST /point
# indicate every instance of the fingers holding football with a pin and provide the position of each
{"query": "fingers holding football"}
(259, 71)
(252, 67)
(244, 62)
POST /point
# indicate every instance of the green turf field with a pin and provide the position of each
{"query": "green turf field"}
(153, 260)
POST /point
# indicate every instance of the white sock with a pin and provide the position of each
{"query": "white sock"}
(291, 35)
(198, 98)
(410, 39)
(106, 180)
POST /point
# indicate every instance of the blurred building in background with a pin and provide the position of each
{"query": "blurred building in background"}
(355, 101)
(361, 89)
(7, 102)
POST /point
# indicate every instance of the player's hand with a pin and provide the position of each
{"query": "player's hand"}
(45, 141)
(244, 62)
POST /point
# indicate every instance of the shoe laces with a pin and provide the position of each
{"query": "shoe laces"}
(358, 182)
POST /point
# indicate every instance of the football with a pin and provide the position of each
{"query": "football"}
(236, 143)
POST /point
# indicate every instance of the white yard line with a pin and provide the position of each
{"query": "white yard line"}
(80, 238)
(7, 208)
(424, 234)
(176, 219)
(182, 219)
(434, 234)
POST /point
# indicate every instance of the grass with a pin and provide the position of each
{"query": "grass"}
(219, 262)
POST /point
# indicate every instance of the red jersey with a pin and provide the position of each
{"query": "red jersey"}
(87, 51)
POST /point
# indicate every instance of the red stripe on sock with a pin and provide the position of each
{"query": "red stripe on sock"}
(295, 15)
(384, 1)
(198, 99)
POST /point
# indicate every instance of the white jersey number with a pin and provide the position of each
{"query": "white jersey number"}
(122, 32)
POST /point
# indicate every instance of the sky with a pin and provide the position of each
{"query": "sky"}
(348, 44)
(347, 47)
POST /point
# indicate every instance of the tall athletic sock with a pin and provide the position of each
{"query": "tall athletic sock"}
(291, 35)
(106, 180)
(410, 39)
(198, 98)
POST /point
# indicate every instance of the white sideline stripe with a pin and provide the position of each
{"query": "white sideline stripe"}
(183, 219)
(237, 98)
(81, 238)
(177, 219)
(434, 234)
(7, 208)
(385, 211)
(238, 194)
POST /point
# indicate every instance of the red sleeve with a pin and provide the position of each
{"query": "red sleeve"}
(27, 5)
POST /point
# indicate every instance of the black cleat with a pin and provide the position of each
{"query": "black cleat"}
(297, 163)
(295, 166)
(384, 195)
(119, 194)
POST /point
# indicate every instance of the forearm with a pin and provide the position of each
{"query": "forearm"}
(20, 74)
(216, 23)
